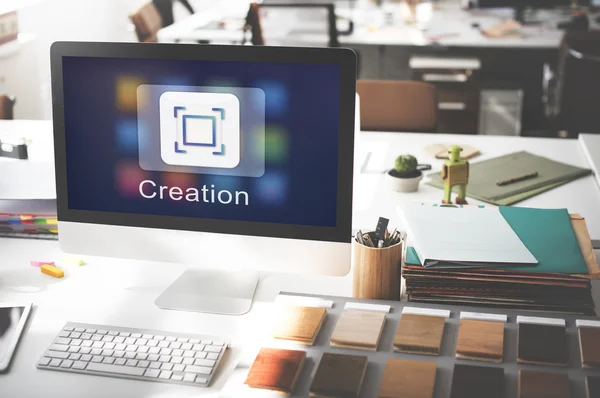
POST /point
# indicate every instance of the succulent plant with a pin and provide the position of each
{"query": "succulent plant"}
(406, 164)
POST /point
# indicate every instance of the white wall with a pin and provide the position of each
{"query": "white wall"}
(26, 74)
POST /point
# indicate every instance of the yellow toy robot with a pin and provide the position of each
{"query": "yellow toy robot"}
(455, 172)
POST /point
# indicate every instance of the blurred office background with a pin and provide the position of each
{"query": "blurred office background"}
(499, 67)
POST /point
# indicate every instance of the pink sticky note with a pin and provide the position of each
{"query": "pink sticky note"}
(40, 263)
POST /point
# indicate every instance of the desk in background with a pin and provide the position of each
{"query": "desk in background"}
(122, 292)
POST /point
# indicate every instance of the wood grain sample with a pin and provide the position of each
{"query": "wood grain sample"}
(536, 384)
(358, 330)
(408, 379)
(592, 384)
(276, 369)
(299, 324)
(542, 344)
(419, 334)
(477, 382)
(480, 340)
(339, 376)
(589, 343)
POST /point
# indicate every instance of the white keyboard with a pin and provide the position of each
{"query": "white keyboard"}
(134, 354)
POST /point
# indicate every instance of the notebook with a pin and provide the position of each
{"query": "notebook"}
(464, 237)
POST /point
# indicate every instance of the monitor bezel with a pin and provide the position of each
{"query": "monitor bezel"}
(345, 58)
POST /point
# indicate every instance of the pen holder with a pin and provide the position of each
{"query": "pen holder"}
(376, 271)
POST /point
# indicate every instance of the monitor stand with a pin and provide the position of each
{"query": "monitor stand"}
(211, 291)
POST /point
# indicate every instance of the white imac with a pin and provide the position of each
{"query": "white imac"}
(232, 159)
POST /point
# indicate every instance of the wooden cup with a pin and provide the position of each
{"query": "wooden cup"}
(376, 271)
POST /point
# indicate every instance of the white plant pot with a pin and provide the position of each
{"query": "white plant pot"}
(403, 184)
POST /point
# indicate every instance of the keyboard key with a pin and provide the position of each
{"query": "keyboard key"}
(66, 364)
(87, 343)
(153, 357)
(143, 364)
(79, 365)
(198, 369)
(212, 348)
(129, 355)
(102, 332)
(201, 355)
(90, 331)
(190, 377)
(159, 337)
(97, 359)
(165, 351)
(178, 368)
(131, 362)
(154, 350)
(174, 344)
(86, 336)
(166, 366)
(59, 347)
(142, 356)
(75, 335)
(124, 334)
(109, 346)
(55, 363)
(109, 360)
(96, 337)
(143, 349)
(98, 344)
(218, 343)
(165, 374)
(152, 373)
(131, 348)
(74, 357)
(170, 338)
(206, 342)
(96, 351)
(177, 377)
(205, 362)
(108, 353)
(182, 340)
(188, 354)
(201, 380)
(186, 346)
(163, 344)
(155, 365)
(119, 354)
(122, 370)
(152, 343)
(108, 339)
(80, 330)
(74, 349)
(188, 361)
(64, 334)
(61, 340)
(177, 353)
(86, 358)
(130, 340)
(141, 342)
(212, 355)
(120, 361)
(119, 340)
(85, 350)
(44, 361)
(57, 354)
(120, 347)
(136, 335)
(164, 358)
(113, 333)
(194, 341)
(198, 347)
(68, 328)
(176, 360)
(147, 336)
(76, 342)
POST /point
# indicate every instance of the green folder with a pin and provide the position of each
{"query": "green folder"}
(547, 233)
(484, 175)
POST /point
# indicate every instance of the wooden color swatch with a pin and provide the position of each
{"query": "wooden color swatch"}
(477, 382)
(275, 369)
(542, 344)
(408, 379)
(339, 376)
(419, 334)
(589, 343)
(593, 386)
(480, 340)
(299, 324)
(359, 330)
(536, 384)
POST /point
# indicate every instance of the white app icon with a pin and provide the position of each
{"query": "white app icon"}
(200, 129)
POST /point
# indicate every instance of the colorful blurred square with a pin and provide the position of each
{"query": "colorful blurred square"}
(272, 188)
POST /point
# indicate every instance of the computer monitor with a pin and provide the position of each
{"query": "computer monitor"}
(228, 157)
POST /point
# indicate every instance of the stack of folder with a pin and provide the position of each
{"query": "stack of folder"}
(558, 282)
(28, 219)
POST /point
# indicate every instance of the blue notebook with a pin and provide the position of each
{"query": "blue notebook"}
(547, 233)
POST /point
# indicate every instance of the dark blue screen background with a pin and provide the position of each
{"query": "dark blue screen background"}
(301, 132)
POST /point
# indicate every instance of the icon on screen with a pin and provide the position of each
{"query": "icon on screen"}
(200, 129)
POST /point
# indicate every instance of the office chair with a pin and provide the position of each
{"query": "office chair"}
(7, 104)
(387, 105)
(147, 22)
(254, 23)
(573, 94)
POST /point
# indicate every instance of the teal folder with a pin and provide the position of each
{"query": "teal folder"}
(547, 233)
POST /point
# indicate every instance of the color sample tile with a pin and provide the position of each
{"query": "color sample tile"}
(593, 386)
(299, 324)
(535, 384)
(419, 334)
(339, 376)
(477, 382)
(589, 343)
(408, 379)
(542, 344)
(359, 330)
(275, 369)
(480, 340)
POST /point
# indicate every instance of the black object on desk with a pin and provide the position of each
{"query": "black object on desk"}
(14, 151)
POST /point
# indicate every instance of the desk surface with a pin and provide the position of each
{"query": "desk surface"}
(449, 26)
(122, 292)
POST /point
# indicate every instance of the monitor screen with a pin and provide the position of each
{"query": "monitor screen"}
(202, 139)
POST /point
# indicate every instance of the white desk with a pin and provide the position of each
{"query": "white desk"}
(119, 292)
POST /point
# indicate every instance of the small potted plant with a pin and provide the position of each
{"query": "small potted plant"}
(405, 176)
